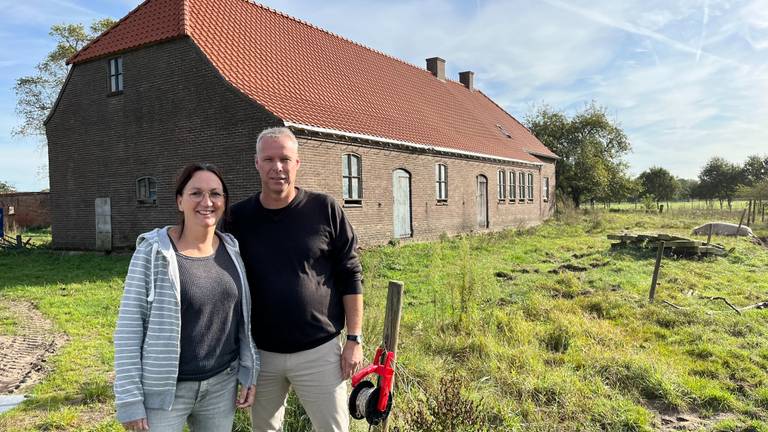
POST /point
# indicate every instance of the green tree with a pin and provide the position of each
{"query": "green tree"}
(686, 188)
(36, 94)
(6, 187)
(590, 146)
(755, 169)
(658, 182)
(720, 179)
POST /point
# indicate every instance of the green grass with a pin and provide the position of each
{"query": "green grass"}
(527, 347)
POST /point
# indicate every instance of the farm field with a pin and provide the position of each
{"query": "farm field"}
(537, 329)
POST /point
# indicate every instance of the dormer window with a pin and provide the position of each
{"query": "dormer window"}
(116, 75)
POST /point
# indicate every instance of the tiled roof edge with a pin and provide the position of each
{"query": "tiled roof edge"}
(75, 55)
(404, 143)
(545, 155)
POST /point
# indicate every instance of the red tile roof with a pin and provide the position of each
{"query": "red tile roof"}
(308, 76)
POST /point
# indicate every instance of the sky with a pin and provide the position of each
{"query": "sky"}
(687, 80)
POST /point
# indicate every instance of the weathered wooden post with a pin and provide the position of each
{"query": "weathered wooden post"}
(741, 221)
(19, 243)
(392, 328)
(659, 254)
(749, 212)
(709, 237)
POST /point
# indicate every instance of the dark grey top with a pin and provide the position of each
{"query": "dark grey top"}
(210, 314)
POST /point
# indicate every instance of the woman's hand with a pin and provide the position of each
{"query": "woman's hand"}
(137, 425)
(245, 396)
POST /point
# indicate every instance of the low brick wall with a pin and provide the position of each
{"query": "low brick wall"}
(23, 210)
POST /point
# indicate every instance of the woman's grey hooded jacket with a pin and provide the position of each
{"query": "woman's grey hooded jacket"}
(149, 328)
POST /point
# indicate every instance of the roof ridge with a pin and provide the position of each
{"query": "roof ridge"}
(185, 17)
(308, 24)
(72, 58)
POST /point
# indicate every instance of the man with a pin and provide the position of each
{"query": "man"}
(305, 278)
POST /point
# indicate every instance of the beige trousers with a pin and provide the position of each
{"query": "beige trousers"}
(315, 375)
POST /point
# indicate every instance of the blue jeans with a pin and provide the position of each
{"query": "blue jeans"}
(207, 406)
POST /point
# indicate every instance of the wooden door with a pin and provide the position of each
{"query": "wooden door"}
(103, 224)
(401, 191)
(481, 198)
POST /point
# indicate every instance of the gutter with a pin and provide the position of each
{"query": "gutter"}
(431, 149)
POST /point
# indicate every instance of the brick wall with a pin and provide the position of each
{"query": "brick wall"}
(31, 210)
(177, 109)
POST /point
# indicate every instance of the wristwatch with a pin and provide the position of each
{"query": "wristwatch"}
(358, 339)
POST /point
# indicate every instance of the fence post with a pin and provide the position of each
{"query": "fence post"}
(709, 237)
(392, 328)
(741, 220)
(659, 255)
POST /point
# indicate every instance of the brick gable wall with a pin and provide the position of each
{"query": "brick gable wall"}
(31, 210)
(177, 109)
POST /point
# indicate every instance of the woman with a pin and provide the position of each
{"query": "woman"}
(183, 337)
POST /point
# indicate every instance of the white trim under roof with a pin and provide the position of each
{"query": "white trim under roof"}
(404, 143)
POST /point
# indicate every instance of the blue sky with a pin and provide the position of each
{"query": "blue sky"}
(687, 80)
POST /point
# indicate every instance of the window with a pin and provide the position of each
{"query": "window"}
(502, 185)
(146, 191)
(530, 186)
(116, 75)
(522, 186)
(351, 179)
(512, 187)
(545, 192)
(441, 182)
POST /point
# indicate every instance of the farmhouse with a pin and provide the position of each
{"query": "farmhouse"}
(409, 152)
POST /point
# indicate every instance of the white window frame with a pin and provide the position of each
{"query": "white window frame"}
(512, 187)
(521, 186)
(501, 177)
(545, 191)
(116, 75)
(441, 182)
(530, 187)
(349, 177)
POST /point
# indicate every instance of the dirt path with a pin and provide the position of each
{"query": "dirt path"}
(23, 355)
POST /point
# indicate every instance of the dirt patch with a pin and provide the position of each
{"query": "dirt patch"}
(688, 421)
(23, 355)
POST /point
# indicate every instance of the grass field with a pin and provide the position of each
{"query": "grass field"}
(495, 335)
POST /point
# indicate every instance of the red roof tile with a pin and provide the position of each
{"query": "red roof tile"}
(308, 76)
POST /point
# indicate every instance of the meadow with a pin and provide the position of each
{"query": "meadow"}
(535, 329)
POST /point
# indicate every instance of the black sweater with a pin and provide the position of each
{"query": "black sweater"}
(300, 261)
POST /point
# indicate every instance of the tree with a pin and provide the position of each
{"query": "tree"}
(659, 183)
(687, 188)
(6, 187)
(720, 179)
(590, 147)
(755, 169)
(36, 94)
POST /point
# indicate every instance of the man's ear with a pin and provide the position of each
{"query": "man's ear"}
(256, 160)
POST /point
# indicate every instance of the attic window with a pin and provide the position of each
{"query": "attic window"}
(504, 131)
(116, 75)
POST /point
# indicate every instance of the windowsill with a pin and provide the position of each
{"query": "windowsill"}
(442, 202)
(146, 204)
(116, 93)
(502, 201)
(352, 204)
(512, 201)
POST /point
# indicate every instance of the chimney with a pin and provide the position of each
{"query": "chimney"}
(468, 79)
(436, 65)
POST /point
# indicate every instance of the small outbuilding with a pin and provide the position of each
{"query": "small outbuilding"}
(408, 152)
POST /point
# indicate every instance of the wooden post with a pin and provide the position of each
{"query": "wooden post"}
(392, 328)
(709, 237)
(741, 220)
(749, 212)
(659, 255)
(19, 243)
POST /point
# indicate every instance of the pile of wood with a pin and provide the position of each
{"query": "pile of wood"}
(7, 242)
(672, 244)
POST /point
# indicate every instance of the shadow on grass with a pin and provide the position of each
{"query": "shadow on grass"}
(45, 267)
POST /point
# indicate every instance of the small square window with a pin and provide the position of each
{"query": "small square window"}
(146, 191)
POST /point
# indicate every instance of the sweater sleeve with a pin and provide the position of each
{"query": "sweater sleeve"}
(129, 337)
(348, 271)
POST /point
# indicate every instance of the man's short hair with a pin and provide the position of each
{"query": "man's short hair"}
(276, 132)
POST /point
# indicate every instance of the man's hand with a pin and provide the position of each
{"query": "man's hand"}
(245, 396)
(351, 359)
(137, 425)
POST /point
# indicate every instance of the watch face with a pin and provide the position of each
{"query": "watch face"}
(355, 338)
